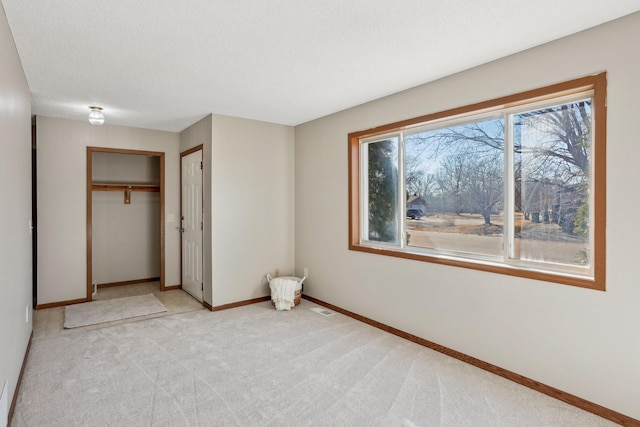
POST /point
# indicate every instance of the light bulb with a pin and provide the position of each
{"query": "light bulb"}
(95, 116)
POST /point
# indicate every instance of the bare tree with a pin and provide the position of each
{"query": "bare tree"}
(420, 183)
(485, 186)
(452, 180)
(552, 151)
(553, 155)
(564, 137)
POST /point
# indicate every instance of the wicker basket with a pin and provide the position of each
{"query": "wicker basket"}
(296, 298)
(298, 294)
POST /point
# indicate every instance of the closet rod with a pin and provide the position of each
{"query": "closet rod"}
(124, 187)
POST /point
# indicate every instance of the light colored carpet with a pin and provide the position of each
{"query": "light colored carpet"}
(94, 312)
(254, 366)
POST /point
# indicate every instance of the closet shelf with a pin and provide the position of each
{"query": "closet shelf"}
(124, 187)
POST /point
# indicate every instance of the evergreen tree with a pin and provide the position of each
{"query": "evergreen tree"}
(383, 191)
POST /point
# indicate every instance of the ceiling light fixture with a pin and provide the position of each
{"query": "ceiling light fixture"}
(95, 116)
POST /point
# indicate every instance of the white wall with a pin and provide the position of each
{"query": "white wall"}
(252, 206)
(581, 341)
(200, 134)
(61, 156)
(126, 237)
(15, 212)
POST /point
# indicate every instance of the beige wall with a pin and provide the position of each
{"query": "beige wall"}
(200, 134)
(125, 237)
(15, 212)
(252, 206)
(125, 168)
(248, 200)
(61, 156)
(581, 341)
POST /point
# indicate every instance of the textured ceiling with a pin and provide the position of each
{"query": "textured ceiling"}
(163, 64)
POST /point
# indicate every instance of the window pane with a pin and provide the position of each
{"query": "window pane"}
(552, 173)
(455, 188)
(382, 195)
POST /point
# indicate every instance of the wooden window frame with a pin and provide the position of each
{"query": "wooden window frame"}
(597, 83)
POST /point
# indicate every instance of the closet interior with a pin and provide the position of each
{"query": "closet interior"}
(125, 219)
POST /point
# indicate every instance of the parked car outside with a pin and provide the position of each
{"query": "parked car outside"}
(414, 213)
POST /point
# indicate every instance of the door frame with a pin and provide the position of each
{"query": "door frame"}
(182, 154)
(90, 151)
(34, 217)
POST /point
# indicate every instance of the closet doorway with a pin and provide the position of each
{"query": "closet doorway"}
(125, 217)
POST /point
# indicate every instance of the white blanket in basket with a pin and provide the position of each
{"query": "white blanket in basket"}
(283, 291)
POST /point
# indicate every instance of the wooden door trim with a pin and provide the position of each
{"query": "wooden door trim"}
(90, 151)
(190, 150)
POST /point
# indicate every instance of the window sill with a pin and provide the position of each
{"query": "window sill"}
(489, 267)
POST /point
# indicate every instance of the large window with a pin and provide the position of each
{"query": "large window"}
(514, 185)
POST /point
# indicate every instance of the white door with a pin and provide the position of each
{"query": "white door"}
(191, 224)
